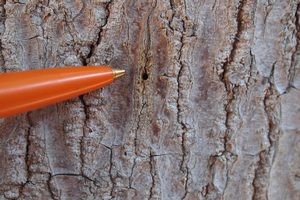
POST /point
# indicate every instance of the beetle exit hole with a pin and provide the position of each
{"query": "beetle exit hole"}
(145, 76)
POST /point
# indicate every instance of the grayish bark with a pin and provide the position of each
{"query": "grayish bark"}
(208, 109)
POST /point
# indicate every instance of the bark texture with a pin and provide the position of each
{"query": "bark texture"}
(208, 109)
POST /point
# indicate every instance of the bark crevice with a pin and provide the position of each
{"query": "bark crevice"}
(295, 55)
(94, 45)
(2, 21)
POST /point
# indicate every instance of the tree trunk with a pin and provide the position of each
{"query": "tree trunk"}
(208, 109)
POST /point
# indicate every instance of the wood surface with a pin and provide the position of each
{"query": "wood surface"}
(208, 109)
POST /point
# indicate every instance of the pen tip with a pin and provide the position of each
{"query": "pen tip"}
(118, 72)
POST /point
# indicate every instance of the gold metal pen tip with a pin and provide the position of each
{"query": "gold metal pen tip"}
(118, 72)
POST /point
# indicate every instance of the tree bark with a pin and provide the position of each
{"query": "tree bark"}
(208, 109)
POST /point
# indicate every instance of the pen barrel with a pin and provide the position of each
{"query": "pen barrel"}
(29, 90)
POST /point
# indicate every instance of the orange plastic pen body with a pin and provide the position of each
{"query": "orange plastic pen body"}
(29, 90)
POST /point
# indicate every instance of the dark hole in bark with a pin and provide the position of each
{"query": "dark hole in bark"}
(145, 76)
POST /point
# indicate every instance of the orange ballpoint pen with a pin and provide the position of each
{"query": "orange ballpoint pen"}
(28, 90)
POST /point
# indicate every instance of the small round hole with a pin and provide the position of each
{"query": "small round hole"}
(145, 76)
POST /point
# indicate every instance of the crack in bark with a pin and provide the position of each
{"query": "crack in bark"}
(144, 78)
(110, 173)
(28, 142)
(46, 41)
(147, 49)
(184, 169)
(230, 88)
(152, 172)
(230, 59)
(294, 60)
(81, 144)
(135, 142)
(224, 79)
(77, 175)
(183, 126)
(264, 164)
(27, 155)
(186, 184)
(49, 186)
(81, 11)
(3, 19)
(110, 170)
(214, 5)
(81, 97)
(85, 60)
(131, 175)
(267, 14)
(172, 8)
(184, 129)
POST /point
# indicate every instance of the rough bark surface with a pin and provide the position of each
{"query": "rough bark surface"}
(209, 107)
